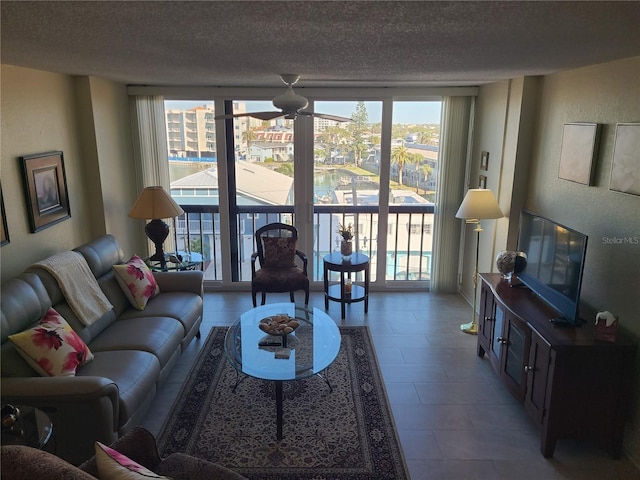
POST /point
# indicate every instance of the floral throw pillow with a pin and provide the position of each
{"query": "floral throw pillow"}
(52, 348)
(113, 465)
(137, 281)
(279, 251)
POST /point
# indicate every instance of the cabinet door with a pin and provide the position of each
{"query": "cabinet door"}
(495, 355)
(515, 340)
(537, 370)
(485, 320)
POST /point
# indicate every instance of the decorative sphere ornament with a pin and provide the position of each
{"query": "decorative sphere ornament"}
(509, 262)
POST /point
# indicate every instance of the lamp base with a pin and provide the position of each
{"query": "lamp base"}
(157, 231)
(471, 328)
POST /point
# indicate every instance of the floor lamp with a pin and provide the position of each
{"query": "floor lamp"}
(478, 204)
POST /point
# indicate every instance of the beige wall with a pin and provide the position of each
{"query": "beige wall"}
(605, 94)
(86, 119)
(39, 115)
(115, 172)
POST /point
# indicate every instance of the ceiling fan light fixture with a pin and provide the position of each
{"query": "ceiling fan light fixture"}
(289, 104)
(289, 101)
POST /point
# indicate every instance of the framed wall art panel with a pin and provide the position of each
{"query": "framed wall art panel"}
(46, 189)
(580, 143)
(625, 166)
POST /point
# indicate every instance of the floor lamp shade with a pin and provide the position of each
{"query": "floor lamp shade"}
(154, 204)
(478, 204)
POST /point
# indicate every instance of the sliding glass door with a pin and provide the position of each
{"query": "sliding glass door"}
(377, 173)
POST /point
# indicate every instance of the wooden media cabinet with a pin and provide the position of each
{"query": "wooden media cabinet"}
(569, 383)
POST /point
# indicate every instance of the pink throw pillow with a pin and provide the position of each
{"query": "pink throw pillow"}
(113, 465)
(52, 348)
(137, 281)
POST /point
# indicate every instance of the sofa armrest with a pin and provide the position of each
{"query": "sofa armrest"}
(26, 463)
(82, 409)
(44, 390)
(186, 281)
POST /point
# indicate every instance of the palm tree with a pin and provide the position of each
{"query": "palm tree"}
(400, 156)
(426, 170)
(249, 135)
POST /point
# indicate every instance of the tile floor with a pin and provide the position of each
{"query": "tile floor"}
(454, 418)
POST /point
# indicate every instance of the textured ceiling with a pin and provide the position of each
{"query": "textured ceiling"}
(245, 43)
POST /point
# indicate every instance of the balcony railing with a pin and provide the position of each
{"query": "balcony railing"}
(408, 237)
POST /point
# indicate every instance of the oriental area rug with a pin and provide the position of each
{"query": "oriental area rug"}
(344, 434)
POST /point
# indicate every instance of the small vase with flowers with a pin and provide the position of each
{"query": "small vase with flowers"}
(346, 245)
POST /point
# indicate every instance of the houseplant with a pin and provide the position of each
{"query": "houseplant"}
(346, 246)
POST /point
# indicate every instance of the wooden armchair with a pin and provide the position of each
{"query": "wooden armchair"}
(276, 253)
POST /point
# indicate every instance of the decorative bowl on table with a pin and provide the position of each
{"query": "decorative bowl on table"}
(280, 324)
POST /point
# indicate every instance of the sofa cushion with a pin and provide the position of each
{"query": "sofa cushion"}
(113, 465)
(160, 336)
(24, 302)
(101, 254)
(52, 348)
(136, 281)
(280, 280)
(134, 372)
(185, 307)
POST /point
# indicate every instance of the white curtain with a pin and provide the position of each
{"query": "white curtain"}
(150, 148)
(451, 174)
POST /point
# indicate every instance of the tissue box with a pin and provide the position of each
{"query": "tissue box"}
(606, 333)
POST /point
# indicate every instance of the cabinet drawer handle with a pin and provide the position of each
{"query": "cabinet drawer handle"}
(489, 319)
(528, 369)
(502, 340)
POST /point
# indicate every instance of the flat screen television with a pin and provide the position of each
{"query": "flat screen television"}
(555, 263)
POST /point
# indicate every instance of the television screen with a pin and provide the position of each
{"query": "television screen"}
(555, 262)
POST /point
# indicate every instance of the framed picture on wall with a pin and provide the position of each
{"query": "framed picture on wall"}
(46, 189)
(625, 167)
(4, 231)
(579, 150)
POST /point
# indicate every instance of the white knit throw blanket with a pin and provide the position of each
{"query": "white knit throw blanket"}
(79, 286)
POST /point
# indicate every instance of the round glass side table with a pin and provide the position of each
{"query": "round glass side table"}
(32, 428)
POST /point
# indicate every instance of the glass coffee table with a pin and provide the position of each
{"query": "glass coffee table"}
(308, 351)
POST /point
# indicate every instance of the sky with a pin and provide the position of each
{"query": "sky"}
(403, 112)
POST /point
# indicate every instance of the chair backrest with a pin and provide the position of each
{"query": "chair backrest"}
(281, 230)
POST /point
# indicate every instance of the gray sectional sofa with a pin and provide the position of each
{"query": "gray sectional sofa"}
(134, 350)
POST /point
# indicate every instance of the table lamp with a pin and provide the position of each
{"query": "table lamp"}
(155, 203)
(478, 204)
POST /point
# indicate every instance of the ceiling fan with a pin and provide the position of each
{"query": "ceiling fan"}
(289, 104)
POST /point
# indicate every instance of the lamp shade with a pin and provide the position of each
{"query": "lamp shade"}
(155, 202)
(479, 204)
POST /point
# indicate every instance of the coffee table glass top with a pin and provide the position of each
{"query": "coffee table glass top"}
(310, 349)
